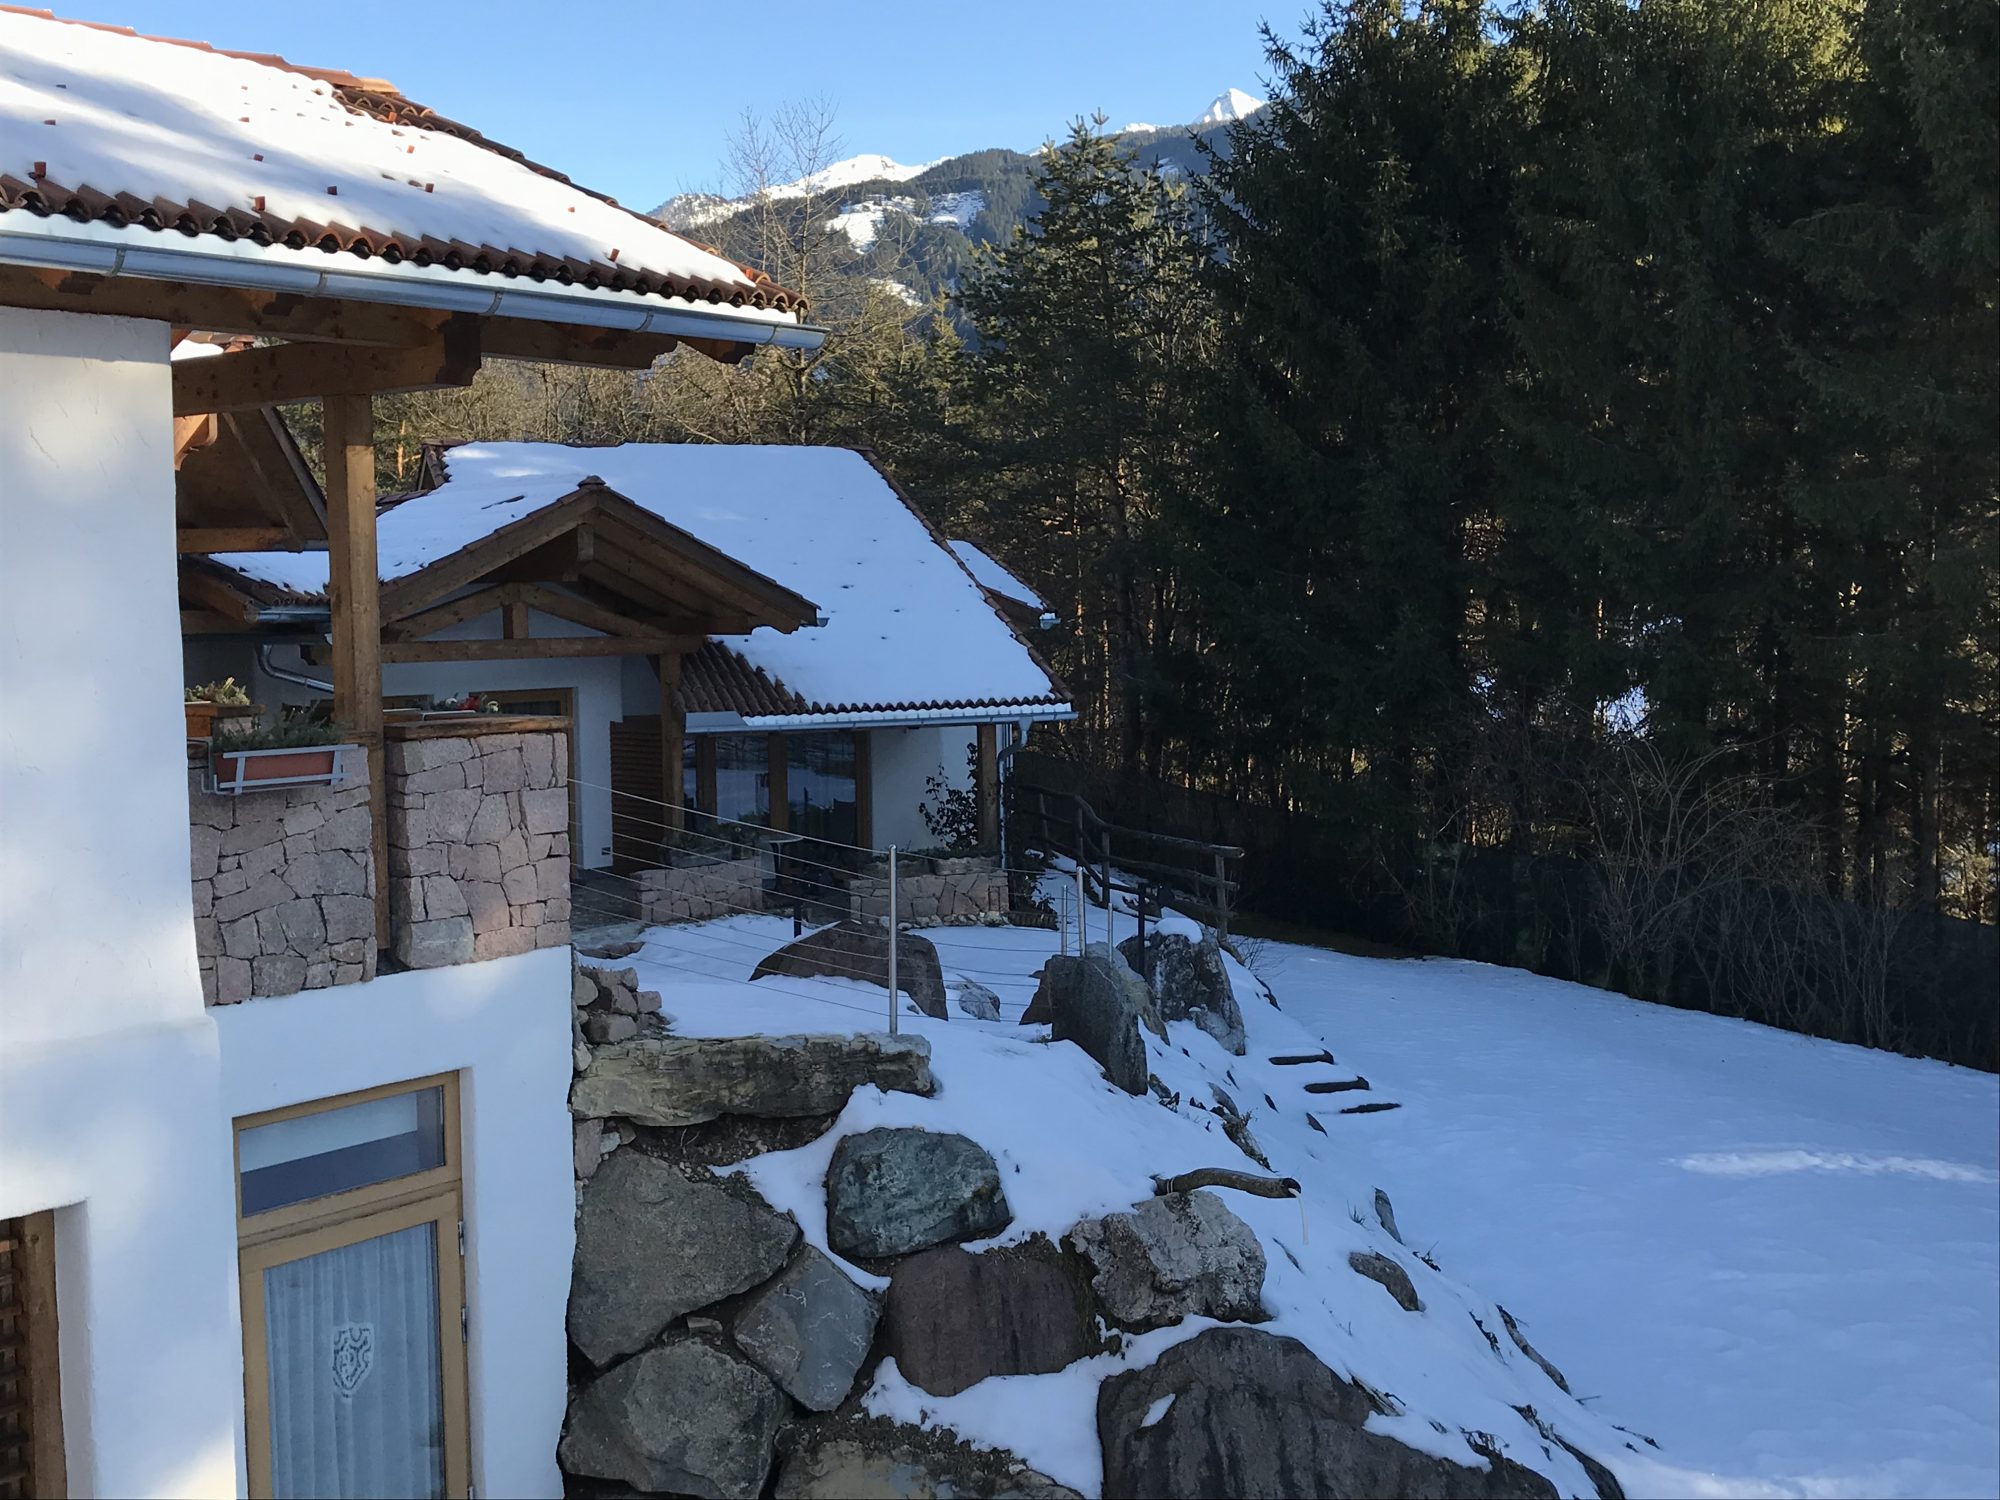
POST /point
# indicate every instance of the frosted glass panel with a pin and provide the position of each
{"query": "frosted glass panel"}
(357, 1400)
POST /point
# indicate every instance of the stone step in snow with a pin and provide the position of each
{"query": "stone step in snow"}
(1375, 1107)
(1338, 1086)
(1296, 1060)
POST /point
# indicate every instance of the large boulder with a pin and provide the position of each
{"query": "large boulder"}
(670, 1081)
(953, 1318)
(809, 1330)
(1239, 1412)
(878, 1460)
(1183, 1255)
(1190, 982)
(685, 1418)
(1097, 1002)
(654, 1244)
(890, 1191)
(847, 951)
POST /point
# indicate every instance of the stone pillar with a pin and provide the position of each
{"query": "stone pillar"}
(284, 887)
(478, 840)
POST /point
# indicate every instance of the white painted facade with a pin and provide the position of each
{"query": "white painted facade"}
(117, 1086)
(504, 1027)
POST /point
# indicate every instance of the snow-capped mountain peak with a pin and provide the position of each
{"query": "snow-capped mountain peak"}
(854, 169)
(1229, 106)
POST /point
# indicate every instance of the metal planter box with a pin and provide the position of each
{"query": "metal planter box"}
(237, 771)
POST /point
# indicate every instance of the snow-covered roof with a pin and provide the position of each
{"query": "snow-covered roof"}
(908, 629)
(255, 158)
(991, 576)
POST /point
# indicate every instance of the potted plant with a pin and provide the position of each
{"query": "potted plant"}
(216, 700)
(299, 752)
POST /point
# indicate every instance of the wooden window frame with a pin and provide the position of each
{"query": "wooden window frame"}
(299, 1230)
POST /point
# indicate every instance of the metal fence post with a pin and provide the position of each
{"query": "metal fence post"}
(894, 1005)
(1062, 921)
(1221, 897)
(1082, 937)
(1108, 940)
(1145, 954)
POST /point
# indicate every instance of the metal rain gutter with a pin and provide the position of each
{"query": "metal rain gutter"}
(891, 719)
(54, 242)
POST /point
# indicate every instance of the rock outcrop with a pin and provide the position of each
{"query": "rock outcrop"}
(1238, 1412)
(953, 1318)
(684, 1418)
(1190, 982)
(1183, 1255)
(977, 1001)
(809, 1329)
(653, 1244)
(875, 1460)
(1392, 1278)
(669, 1081)
(845, 951)
(1097, 1002)
(894, 1191)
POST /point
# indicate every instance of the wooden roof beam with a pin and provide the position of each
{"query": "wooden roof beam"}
(251, 378)
(215, 309)
(539, 648)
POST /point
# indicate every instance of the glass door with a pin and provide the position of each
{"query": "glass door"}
(353, 1296)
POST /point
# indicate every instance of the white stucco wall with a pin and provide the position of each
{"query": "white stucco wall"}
(504, 1026)
(904, 759)
(96, 920)
(109, 1086)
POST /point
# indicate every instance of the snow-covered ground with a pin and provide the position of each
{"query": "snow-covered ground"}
(1778, 1256)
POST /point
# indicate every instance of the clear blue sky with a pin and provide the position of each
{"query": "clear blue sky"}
(636, 100)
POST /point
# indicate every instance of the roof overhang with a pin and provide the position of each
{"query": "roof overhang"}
(59, 244)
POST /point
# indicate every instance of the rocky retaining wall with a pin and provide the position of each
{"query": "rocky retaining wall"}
(478, 844)
(952, 891)
(695, 893)
(284, 887)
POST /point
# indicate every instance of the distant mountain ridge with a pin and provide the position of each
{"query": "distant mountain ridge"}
(910, 228)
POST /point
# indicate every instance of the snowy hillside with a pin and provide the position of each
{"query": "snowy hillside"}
(1773, 1257)
(1069, 1145)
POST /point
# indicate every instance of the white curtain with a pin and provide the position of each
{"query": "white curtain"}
(357, 1404)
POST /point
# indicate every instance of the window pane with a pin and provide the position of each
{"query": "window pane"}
(743, 778)
(819, 785)
(357, 1396)
(310, 1156)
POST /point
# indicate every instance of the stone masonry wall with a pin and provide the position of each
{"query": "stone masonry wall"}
(695, 893)
(962, 891)
(284, 887)
(478, 846)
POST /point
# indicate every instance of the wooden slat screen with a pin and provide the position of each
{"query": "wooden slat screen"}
(31, 1451)
(636, 794)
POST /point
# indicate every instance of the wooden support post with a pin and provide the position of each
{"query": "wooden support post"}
(704, 773)
(354, 595)
(781, 794)
(864, 788)
(673, 738)
(988, 775)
